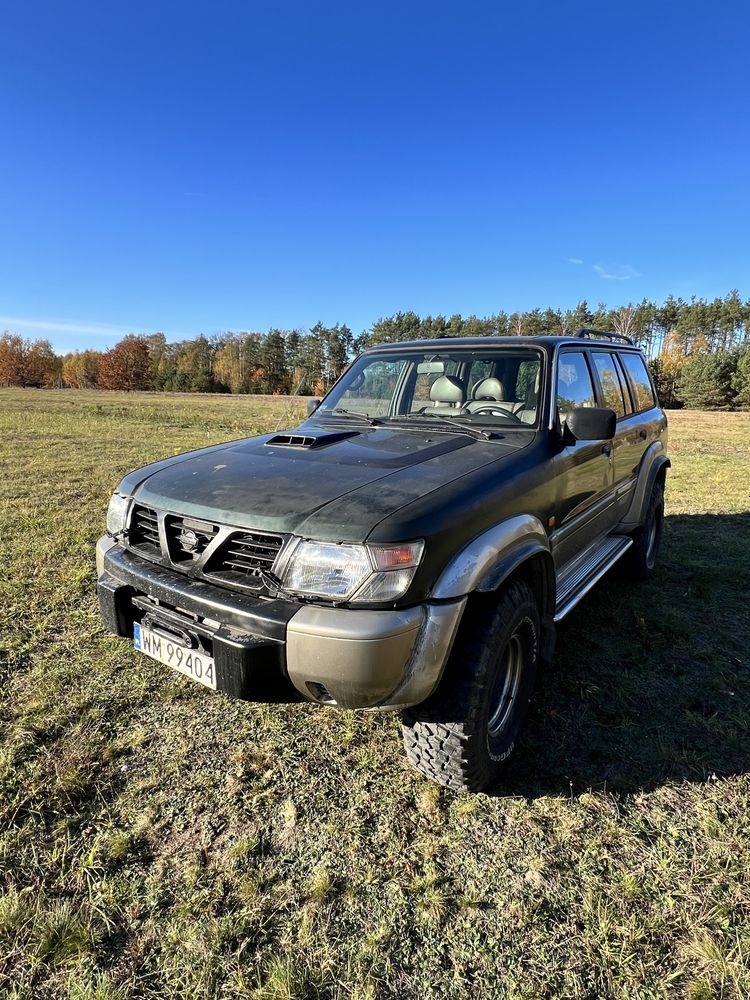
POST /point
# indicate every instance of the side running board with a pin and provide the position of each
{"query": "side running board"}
(577, 579)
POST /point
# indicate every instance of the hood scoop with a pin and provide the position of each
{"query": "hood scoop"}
(308, 440)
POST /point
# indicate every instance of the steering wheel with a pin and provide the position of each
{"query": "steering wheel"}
(497, 411)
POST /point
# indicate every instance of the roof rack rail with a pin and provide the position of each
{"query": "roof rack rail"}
(587, 333)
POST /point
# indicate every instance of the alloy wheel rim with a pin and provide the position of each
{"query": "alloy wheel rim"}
(507, 687)
(653, 531)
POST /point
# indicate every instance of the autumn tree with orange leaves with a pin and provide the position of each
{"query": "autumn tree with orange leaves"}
(27, 362)
(127, 366)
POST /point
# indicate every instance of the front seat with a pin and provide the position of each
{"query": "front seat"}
(489, 390)
(447, 395)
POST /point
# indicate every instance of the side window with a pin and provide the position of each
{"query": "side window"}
(610, 382)
(574, 386)
(421, 395)
(635, 366)
(527, 380)
(373, 390)
(626, 394)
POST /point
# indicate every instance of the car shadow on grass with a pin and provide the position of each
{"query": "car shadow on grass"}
(651, 681)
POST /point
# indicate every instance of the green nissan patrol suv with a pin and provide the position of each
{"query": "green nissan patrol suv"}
(410, 546)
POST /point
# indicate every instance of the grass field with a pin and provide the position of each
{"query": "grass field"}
(158, 840)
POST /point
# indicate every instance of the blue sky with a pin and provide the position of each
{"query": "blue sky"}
(201, 167)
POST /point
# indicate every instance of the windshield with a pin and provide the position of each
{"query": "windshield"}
(496, 387)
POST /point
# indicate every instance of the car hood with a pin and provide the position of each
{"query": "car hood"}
(334, 484)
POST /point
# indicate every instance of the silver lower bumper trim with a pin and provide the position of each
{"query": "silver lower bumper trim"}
(370, 659)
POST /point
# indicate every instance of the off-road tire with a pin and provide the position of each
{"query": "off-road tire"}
(642, 555)
(448, 737)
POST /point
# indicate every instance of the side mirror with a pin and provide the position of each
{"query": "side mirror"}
(312, 405)
(590, 423)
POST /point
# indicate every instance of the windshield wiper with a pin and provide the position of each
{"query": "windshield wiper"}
(373, 421)
(460, 428)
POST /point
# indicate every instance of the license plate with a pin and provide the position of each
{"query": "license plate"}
(190, 662)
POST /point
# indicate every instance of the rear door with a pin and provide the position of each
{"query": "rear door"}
(584, 479)
(642, 425)
(627, 447)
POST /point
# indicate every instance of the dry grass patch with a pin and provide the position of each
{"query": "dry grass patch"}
(158, 840)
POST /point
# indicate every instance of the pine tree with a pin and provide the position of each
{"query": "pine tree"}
(706, 381)
(741, 378)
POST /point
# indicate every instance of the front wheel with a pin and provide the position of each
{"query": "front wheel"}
(462, 734)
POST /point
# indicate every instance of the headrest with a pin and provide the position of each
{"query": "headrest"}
(447, 389)
(489, 388)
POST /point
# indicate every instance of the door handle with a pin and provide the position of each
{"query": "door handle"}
(607, 450)
(642, 435)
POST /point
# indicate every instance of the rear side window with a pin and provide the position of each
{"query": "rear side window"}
(480, 370)
(635, 367)
(574, 385)
(626, 394)
(610, 383)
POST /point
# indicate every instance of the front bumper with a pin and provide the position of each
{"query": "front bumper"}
(280, 650)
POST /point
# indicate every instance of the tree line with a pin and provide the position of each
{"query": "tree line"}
(698, 350)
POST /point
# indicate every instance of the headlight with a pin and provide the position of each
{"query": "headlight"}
(357, 573)
(117, 514)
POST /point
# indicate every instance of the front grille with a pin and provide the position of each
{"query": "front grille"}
(239, 560)
(187, 537)
(244, 555)
(143, 532)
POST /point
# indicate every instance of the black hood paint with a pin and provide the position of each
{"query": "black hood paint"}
(338, 490)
